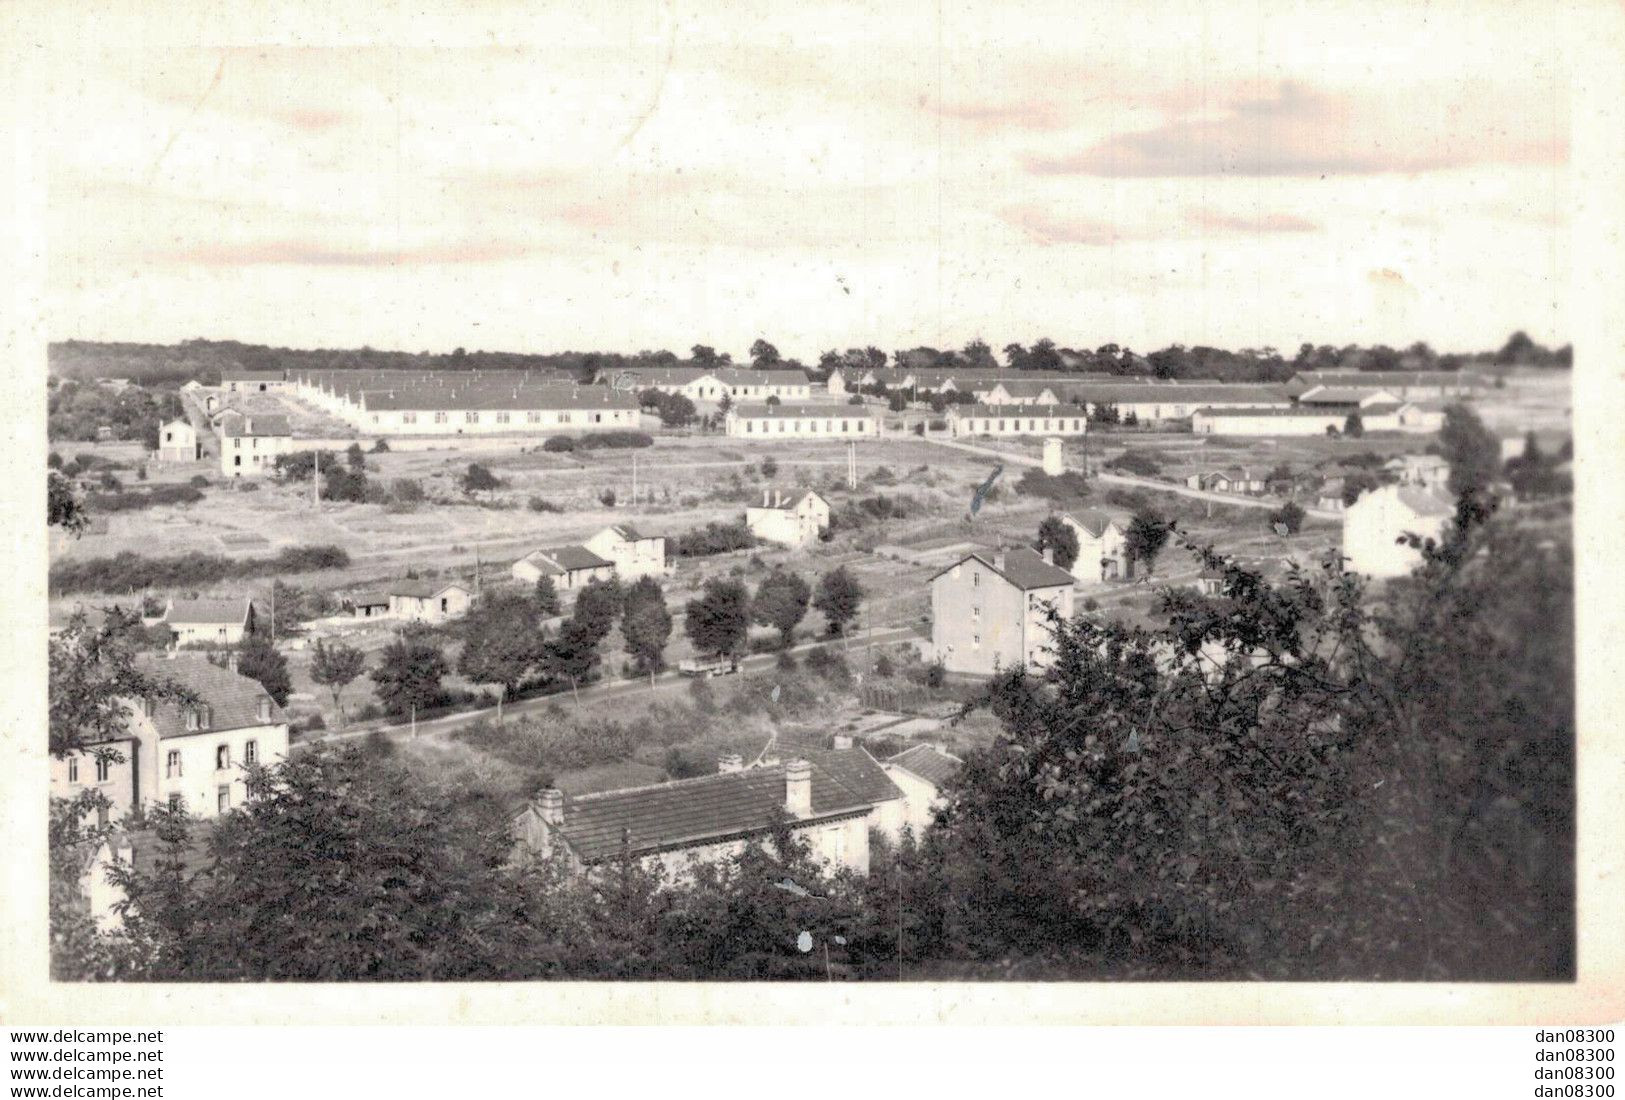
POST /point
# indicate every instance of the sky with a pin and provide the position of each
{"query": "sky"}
(659, 174)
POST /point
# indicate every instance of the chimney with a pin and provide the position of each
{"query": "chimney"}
(732, 762)
(798, 788)
(843, 741)
(231, 660)
(998, 559)
(550, 806)
(1049, 555)
(767, 498)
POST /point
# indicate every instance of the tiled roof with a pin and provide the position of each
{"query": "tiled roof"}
(853, 767)
(1023, 387)
(473, 397)
(1184, 393)
(245, 375)
(423, 590)
(143, 847)
(255, 424)
(627, 532)
(1022, 567)
(1270, 411)
(928, 762)
(694, 811)
(227, 610)
(1018, 412)
(563, 559)
(745, 376)
(370, 599)
(233, 699)
(1092, 520)
(1341, 395)
(811, 412)
(1384, 378)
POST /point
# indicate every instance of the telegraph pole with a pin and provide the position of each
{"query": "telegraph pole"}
(316, 483)
(634, 477)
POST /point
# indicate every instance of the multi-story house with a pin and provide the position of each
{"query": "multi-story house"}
(632, 553)
(1102, 547)
(178, 442)
(1375, 523)
(991, 610)
(250, 443)
(188, 753)
(796, 521)
(213, 621)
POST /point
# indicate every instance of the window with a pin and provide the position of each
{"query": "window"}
(175, 803)
(222, 798)
(409, 418)
(502, 418)
(445, 605)
(439, 418)
(104, 769)
(222, 757)
(471, 417)
(192, 718)
(976, 641)
(263, 709)
(976, 580)
(73, 769)
(237, 460)
(533, 417)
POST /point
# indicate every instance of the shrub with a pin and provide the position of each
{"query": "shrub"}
(770, 468)
(559, 443)
(713, 538)
(407, 490)
(615, 440)
(883, 666)
(542, 504)
(479, 479)
(607, 498)
(787, 661)
(381, 447)
(129, 571)
(1069, 486)
(1136, 462)
(147, 498)
(1289, 517)
(198, 482)
(937, 674)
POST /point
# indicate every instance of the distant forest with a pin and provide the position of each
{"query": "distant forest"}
(203, 360)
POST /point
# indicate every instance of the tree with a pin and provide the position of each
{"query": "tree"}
(773, 399)
(702, 355)
(1474, 452)
(1288, 517)
(646, 625)
(724, 403)
(897, 402)
(718, 620)
(63, 507)
(406, 490)
(331, 841)
(259, 659)
(781, 603)
(335, 667)
(769, 468)
(597, 606)
(572, 654)
(1353, 426)
(408, 674)
(675, 410)
(502, 641)
(290, 608)
(1519, 348)
(1147, 534)
(356, 458)
(478, 479)
(839, 599)
(764, 354)
(546, 596)
(1056, 535)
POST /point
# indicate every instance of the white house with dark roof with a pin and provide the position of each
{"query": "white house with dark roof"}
(678, 825)
(632, 553)
(210, 620)
(251, 442)
(178, 442)
(711, 384)
(771, 422)
(786, 520)
(429, 601)
(920, 772)
(1013, 420)
(241, 380)
(1102, 546)
(571, 567)
(1021, 391)
(990, 610)
(189, 752)
(1375, 523)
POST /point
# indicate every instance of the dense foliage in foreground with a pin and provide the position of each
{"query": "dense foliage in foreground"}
(130, 572)
(1285, 781)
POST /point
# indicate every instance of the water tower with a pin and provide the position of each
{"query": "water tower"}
(1054, 463)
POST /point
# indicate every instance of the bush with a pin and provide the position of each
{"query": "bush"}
(1069, 486)
(479, 479)
(883, 666)
(198, 481)
(937, 674)
(770, 468)
(1289, 517)
(147, 498)
(381, 447)
(713, 538)
(407, 490)
(615, 440)
(1136, 462)
(559, 443)
(607, 498)
(542, 504)
(787, 661)
(129, 571)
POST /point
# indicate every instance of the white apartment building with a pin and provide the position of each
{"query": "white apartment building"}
(770, 422)
(1013, 420)
(789, 521)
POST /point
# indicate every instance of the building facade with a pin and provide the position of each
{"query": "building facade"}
(1102, 547)
(794, 522)
(990, 610)
(773, 422)
(210, 621)
(251, 443)
(429, 601)
(1374, 525)
(178, 442)
(1014, 420)
(921, 772)
(630, 552)
(571, 567)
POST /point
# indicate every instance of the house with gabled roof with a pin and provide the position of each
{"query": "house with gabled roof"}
(1376, 525)
(991, 610)
(782, 421)
(631, 552)
(188, 752)
(788, 520)
(210, 620)
(571, 567)
(678, 825)
(240, 380)
(921, 772)
(429, 601)
(1015, 420)
(1102, 546)
(250, 443)
(178, 441)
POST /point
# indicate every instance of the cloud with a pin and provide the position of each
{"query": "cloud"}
(1047, 226)
(317, 254)
(1036, 114)
(1299, 131)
